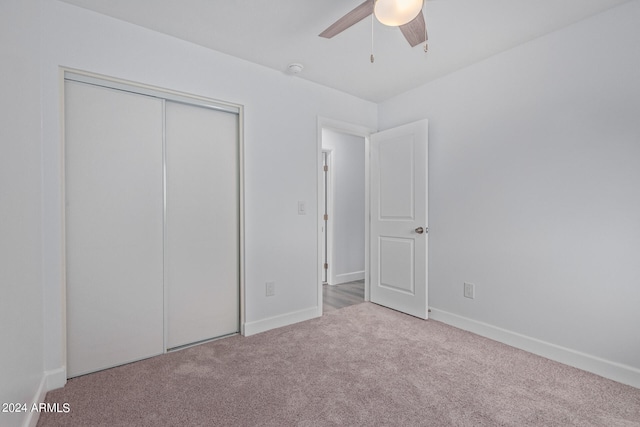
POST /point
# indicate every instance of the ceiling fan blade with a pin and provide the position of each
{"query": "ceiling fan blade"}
(415, 31)
(351, 18)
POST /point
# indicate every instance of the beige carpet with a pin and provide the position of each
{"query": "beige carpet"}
(363, 365)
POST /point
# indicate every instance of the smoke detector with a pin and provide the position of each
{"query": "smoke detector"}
(295, 68)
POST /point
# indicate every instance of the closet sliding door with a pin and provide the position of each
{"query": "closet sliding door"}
(202, 223)
(114, 227)
(152, 224)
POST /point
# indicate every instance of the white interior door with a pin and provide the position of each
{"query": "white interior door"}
(114, 237)
(202, 224)
(398, 264)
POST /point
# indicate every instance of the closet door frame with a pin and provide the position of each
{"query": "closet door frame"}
(167, 95)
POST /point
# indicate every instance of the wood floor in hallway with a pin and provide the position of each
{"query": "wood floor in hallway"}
(343, 295)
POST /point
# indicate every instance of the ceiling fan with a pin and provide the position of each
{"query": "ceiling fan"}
(406, 14)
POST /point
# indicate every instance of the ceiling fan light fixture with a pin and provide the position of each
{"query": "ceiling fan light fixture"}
(397, 12)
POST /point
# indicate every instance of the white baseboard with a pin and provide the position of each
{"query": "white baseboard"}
(612, 370)
(31, 417)
(56, 378)
(252, 328)
(50, 380)
(348, 277)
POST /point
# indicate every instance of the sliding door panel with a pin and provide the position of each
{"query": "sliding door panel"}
(202, 226)
(114, 227)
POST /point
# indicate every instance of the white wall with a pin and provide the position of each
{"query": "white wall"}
(281, 161)
(533, 180)
(347, 163)
(21, 329)
(534, 191)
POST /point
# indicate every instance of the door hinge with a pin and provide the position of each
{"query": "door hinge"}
(326, 168)
(326, 217)
(326, 266)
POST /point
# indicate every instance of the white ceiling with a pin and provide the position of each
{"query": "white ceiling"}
(275, 33)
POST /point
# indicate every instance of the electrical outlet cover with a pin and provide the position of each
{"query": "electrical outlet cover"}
(469, 290)
(270, 289)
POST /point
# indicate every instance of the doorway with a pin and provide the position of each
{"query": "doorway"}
(396, 261)
(343, 214)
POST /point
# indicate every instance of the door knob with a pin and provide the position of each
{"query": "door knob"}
(419, 230)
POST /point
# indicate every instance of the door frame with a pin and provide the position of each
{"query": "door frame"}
(350, 129)
(168, 94)
(327, 202)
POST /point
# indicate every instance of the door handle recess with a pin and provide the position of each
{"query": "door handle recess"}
(419, 230)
